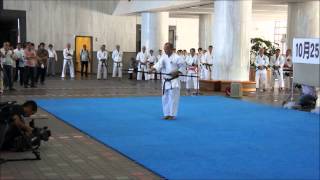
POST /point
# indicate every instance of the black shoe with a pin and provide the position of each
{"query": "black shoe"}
(12, 89)
(25, 86)
(33, 86)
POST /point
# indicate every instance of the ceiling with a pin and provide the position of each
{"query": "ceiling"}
(258, 6)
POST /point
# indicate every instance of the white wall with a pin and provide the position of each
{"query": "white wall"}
(58, 21)
(187, 32)
(263, 26)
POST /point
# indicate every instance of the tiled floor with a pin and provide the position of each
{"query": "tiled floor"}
(71, 154)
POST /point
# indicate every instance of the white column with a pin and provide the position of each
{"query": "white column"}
(154, 30)
(205, 30)
(231, 37)
(303, 21)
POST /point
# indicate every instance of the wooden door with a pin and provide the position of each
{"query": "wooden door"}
(80, 41)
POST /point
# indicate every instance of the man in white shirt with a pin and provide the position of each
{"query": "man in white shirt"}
(53, 58)
(277, 63)
(117, 62)
(172, 64)
(7, 59)
(68, 61)
(192, 70)
(207, 63)
(142, 63)
(19, 53)
(102, 56)
(151, 61)
(261, 63)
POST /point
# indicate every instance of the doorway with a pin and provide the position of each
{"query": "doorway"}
(12, 26)
(79, 42)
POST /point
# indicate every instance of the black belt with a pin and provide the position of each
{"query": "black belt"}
(118, 64)
(104, 61)
(166, 80)
(208, 66)
(140, 64)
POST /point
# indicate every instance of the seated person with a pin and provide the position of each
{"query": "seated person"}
(307, 100)
(16, 124)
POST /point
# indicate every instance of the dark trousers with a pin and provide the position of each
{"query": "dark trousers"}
(19, 73)
(41, 73)
(29, 75)
(7, 70)
(84, 64)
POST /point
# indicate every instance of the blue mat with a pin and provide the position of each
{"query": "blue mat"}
(213, 137)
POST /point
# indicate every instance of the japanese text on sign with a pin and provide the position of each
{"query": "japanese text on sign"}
(306, 51)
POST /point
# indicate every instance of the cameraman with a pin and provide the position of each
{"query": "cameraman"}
(17, 127)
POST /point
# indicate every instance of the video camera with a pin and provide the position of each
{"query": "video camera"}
(33, 142)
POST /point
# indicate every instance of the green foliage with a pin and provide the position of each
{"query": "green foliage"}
(258, 43)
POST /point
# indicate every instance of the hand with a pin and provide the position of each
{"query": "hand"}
(28, 130)
(175, 74)
(152, 70)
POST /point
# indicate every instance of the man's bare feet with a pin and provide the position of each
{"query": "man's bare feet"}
(165, 117)
(171, 118)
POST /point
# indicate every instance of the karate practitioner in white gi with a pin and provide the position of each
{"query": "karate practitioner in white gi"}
(68, 61)
(158, 57)
(261, 63)
(277, 62)
(142, 63)
(207, 63)
(102, 56)
(151, 61)
(117, 62)
(172, 64)
(192, 70)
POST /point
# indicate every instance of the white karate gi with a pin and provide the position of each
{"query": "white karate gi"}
(142, 65)
(261, 73)
(158, 57)
(171, 88)
(68, 60)
(184, 69)
(117, 63)
(277, 74)
(201, 59)
(151, 61)
(192, 70)
(102, 57)
(208, 61)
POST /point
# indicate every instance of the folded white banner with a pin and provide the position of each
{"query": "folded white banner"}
(306, 50)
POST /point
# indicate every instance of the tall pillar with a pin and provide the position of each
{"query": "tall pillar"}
(303, 21)
(231, 37)
(205, 30)
(154, 30)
